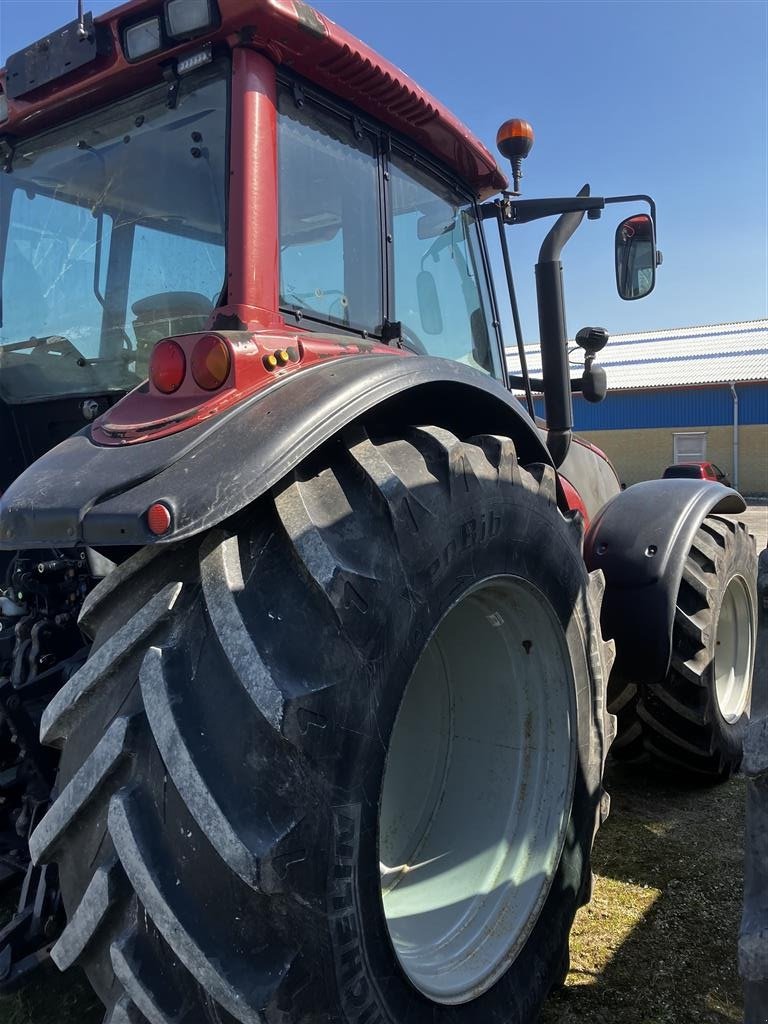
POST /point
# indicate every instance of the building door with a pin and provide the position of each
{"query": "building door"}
(690, 447)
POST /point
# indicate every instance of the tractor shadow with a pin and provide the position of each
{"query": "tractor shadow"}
(657, 944)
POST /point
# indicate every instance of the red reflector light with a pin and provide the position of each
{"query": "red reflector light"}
(158, 518)
(210, 362)
(167, 366)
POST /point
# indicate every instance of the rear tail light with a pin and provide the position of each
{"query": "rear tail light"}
(167, 366)
(211, 362)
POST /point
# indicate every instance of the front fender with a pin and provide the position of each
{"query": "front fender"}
(81, 492)
(640, 540)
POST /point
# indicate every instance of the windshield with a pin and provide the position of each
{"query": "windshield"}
(682, 472)
(112, 234)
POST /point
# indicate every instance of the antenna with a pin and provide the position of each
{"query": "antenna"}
(82, 31)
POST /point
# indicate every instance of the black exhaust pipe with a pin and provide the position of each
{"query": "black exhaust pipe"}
(553, 335)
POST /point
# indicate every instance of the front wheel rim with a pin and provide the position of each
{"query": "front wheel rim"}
(477, 789)
(734, 650)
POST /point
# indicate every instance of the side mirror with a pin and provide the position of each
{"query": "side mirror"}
(636, 257)
(429, 303)
(594, 383)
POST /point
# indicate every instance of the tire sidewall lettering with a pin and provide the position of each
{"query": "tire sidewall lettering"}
(359, 997)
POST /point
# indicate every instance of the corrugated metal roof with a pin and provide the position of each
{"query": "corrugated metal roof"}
(709, 354)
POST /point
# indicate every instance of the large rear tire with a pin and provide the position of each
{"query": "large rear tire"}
(340, 762)
(694, 722)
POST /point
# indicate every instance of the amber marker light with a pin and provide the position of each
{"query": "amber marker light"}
(167, 366)
(514, 140)
(515, 135)
(158, 518)
(211, 362)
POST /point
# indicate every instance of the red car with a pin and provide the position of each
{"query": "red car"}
(697, 471)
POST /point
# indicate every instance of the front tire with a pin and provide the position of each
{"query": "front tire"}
(694, 722)
(391, 669)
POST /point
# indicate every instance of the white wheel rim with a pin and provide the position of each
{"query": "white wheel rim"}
(734, 650)
(477, 790)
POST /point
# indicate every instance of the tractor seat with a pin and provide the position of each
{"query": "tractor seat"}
(166, 315)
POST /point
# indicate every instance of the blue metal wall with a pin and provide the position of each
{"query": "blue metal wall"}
(676, 407)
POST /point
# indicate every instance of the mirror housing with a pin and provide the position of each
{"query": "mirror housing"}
(636, 257)
(594, 383)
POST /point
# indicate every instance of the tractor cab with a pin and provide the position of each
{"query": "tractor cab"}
(242, 195)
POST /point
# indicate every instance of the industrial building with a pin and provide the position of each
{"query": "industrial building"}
(683, 395)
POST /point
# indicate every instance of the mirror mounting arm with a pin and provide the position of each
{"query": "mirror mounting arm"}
(641, 198)
(523, 211)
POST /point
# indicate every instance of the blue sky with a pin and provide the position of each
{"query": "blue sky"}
(667, 98)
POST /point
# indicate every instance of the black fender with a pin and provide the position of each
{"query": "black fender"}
(81, 492)
(640, 539)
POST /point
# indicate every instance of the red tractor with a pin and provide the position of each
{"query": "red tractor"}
(335, 753)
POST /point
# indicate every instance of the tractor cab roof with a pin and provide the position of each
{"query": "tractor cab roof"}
(290, 32)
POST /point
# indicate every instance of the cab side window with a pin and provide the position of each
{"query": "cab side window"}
(330, 217)
(440, 289)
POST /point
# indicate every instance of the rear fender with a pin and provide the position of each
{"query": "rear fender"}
(641, 540)
(81, 492)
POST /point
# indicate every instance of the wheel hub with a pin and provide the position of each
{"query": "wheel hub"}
(733, 650)
(477, 790)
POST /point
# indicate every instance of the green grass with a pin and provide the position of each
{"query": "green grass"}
(657, 945)
(53, 998)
